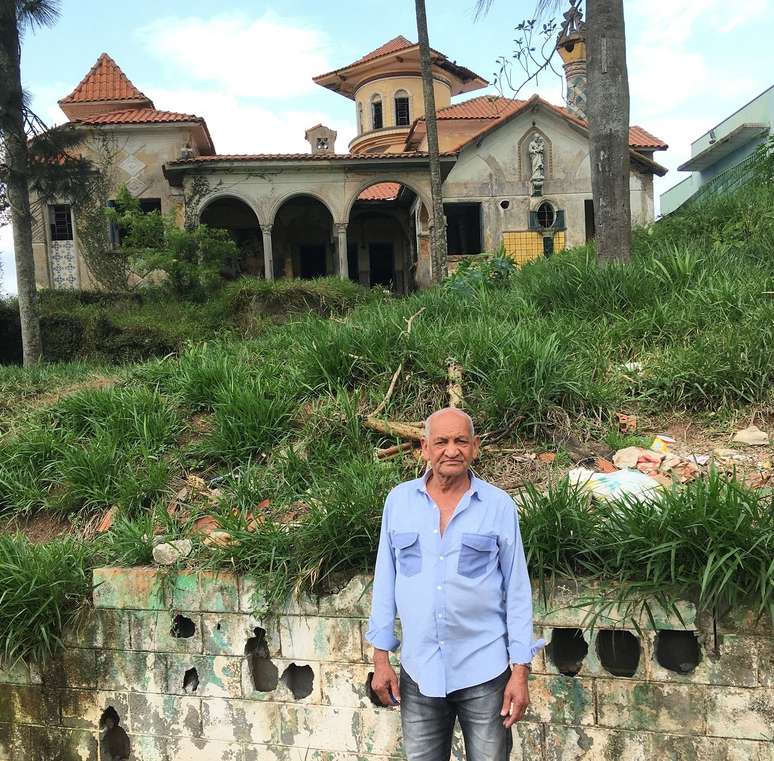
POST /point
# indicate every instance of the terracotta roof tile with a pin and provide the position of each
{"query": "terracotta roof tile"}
(139, 116)
(382, 191)
(493, 108)
(482, 107)
(641, 138)
(309, 157)
(392, 46)
(105, 82)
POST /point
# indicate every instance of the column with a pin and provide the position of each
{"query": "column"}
(268, 258)
(341, 234)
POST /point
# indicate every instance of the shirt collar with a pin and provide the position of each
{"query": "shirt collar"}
(474, 490)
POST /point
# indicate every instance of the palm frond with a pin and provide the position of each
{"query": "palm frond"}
(37, 13)
(542, 8)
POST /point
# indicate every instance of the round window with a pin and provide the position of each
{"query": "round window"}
(546, 216)
(505, 204)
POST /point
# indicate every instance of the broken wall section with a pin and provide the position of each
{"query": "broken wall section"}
(202, 678)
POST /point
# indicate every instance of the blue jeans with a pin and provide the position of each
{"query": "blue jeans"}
(428, 723)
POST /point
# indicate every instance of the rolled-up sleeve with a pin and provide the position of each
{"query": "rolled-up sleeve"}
(518, 591)
(381, 625)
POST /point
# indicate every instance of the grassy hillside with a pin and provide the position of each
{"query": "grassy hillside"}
(273, 423)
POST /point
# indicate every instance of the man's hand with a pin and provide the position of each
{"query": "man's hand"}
(385, 681)
(516, 696)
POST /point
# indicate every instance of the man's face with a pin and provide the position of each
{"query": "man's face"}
(450, 448)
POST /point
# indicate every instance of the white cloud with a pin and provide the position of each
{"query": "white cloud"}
(7, 264)
(238, 126)
(255, 57)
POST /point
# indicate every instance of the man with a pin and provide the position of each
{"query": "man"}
(452, 565)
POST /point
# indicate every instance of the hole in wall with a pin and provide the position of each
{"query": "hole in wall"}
(618, 652)
(678, 651)
(218, 627)
(505, 204)
(182, 627)
(191, 680)
(299, 680)
(567, 650)
(372, 696)
(114, 744)
(263, 672)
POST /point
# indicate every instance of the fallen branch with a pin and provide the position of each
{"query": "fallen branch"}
(393, 428)
(390, 452)
(390, 390)
(454, 388)
(397, 373)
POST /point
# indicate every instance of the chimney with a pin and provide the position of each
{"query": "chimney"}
(571, 46)
(321, 139)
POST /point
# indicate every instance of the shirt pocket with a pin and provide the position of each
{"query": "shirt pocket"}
(475, 553)
(409, 552)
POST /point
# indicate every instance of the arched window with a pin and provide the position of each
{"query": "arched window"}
(377, 121)
(546, 216)
(402, 115)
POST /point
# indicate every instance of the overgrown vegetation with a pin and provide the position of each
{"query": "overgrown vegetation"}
(272, 416)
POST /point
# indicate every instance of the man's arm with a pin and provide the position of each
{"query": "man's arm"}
(381, 625)
(518, 602)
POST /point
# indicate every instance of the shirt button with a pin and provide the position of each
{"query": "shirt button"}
(441, 558)
(439, 588)
(441, 642)
(440, 615)
(435, 530)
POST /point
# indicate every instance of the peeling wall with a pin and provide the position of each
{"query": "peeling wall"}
(179, 661)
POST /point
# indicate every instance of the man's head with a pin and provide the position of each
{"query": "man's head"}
(449, 442)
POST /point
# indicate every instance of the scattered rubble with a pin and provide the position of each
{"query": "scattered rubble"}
(752, 436)
(168, 553)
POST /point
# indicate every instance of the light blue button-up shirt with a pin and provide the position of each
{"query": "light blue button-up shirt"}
(464, 598)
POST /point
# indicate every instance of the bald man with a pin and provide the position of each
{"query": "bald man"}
(451, 565)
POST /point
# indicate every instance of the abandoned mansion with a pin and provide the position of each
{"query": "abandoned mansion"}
(516, 173)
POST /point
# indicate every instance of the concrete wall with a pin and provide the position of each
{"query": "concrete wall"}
(125, 657)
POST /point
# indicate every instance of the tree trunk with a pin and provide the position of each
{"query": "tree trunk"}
(438, 253)
(17, 159)
(608, 119)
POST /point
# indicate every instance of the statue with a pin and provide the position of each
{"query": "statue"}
(536, 150)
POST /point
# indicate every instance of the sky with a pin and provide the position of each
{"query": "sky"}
(247, 68)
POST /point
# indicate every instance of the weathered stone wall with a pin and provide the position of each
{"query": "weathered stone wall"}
(139, 647)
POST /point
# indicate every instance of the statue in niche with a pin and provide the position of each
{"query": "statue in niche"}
(536, 151)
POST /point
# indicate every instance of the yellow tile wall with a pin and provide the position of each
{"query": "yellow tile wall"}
(525, 245)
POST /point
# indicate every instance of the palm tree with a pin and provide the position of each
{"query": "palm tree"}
(438, 253)
(607, 108)
(15, 17)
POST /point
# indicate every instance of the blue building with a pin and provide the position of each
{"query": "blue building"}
(720, 157)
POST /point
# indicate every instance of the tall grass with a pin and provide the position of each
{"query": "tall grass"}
(42, 588)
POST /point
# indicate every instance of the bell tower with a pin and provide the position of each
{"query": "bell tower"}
(571, 45)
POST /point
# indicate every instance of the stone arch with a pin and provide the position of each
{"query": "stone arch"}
(232, 212)
(304, 237)
(279, 203)
(225, 194)
(524, 163)
(425, 200)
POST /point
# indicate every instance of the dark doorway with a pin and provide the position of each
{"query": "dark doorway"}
(588, 209)
(382, 264)
(463, 227)
(312, 261)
